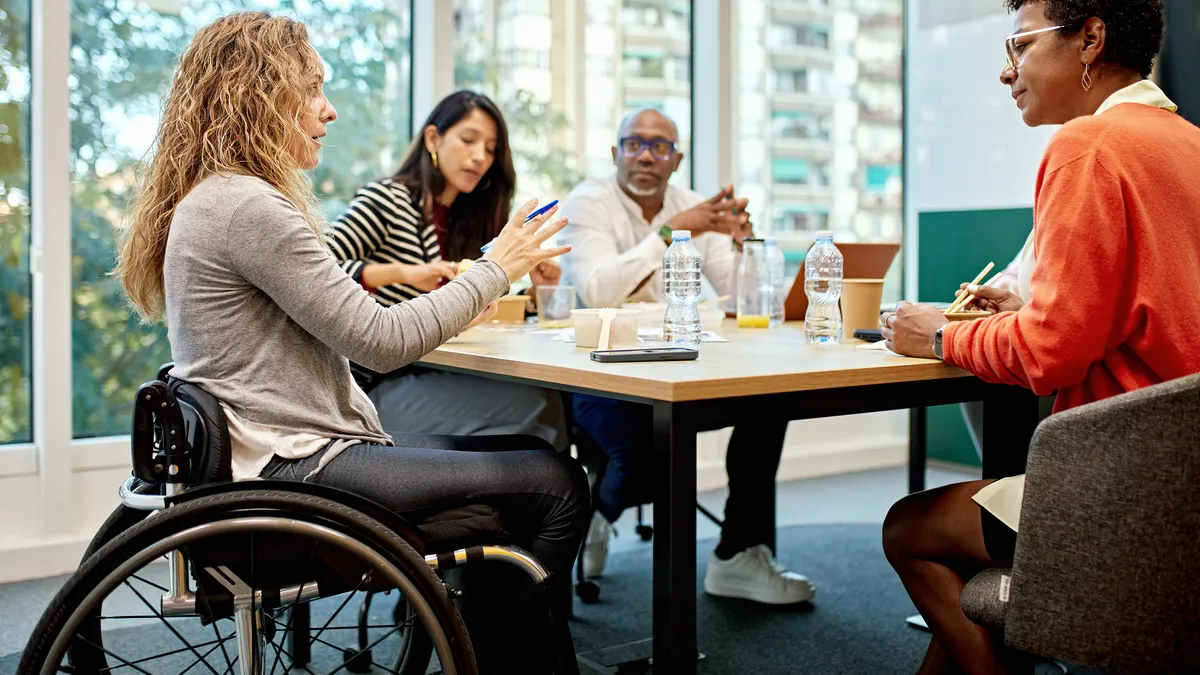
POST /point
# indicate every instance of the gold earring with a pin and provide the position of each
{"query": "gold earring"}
(1087, 77)
(433, 153)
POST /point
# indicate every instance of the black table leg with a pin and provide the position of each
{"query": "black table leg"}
(674, 542)
(917, 449)
(1010, 416)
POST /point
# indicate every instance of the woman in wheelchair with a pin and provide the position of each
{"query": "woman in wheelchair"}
(225, 244)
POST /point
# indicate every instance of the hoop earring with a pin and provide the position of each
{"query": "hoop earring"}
(433, 153)
(1087, 77)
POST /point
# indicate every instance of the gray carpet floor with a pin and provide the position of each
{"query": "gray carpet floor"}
(829, 531)
(854, 625)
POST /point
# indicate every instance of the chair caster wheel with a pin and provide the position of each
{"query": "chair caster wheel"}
(588, 592)
(646, 532)
(357, 661)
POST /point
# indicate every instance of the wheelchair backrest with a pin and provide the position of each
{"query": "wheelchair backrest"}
(170, 408)
(207, 433)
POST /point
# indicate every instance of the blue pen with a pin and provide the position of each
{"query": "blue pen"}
(528, 218)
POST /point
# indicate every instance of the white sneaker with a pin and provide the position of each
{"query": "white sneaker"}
(595, 548)
(754, 575)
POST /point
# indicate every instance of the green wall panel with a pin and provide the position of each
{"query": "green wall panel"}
(954, 246)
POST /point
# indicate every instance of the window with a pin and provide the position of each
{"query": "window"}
(882, 180)
(792, 81)
(634, 54)
(786, 36)
(122, 56)
(647, 65)
(787, 219)
(829, 157)
(800, 125)
(16, 419)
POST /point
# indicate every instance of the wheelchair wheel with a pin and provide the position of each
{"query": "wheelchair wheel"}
(252, 554)
(412, 655)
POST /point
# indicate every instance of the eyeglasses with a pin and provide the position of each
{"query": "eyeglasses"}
(1010, 43)
(634, 146)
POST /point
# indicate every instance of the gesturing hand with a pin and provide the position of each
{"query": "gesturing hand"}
(518, 249)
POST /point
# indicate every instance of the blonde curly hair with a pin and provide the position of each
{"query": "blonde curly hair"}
(234, 107)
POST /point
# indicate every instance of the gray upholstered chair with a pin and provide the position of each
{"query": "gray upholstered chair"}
(1107, 566)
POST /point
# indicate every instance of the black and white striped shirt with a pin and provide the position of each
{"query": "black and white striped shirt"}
(383, 225)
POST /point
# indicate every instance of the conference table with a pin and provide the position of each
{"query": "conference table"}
(758, 374)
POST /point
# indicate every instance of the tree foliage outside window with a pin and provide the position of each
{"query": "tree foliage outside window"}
(15, 287)
(532, 124)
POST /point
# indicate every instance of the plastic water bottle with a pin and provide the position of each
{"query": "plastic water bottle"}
(823, 286)
(681, 285)
(777, 265)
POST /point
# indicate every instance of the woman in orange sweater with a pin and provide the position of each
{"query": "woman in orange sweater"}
(1115, 294)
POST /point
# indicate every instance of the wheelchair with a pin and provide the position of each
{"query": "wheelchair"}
(251, 568)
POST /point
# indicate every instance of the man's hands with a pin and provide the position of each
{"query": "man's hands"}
(910, 329)
(721, 213)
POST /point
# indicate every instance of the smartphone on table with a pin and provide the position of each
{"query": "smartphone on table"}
(649, 354)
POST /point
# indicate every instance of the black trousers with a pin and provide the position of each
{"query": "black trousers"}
(464, 490)
(625, 431)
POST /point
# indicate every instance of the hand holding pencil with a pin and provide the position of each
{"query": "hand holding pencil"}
(987, 297)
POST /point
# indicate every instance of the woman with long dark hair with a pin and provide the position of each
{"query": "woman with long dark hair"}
(401, 237)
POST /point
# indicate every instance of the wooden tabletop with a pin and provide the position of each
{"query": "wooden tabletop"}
(754, 361)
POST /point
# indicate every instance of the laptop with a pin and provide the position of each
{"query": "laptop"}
(860, 261)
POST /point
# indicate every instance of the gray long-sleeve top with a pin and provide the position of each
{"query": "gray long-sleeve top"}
(261, 317)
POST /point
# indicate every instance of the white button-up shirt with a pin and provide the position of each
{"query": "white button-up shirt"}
(614, 248)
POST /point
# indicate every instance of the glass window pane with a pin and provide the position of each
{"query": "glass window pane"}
(628, 54)
(16, 420)
(122, 57)
(819, 120)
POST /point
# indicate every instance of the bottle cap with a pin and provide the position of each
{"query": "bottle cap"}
(680, 234)
(824, 234)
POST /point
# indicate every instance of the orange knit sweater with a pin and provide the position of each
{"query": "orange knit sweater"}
(1116, 292)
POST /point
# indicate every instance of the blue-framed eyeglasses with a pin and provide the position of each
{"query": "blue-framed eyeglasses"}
(634, 146)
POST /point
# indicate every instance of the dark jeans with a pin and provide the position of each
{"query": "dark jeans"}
(477, 490)
(625, 431)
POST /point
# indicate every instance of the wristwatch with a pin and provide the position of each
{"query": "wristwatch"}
(665, 233)
(937, 343)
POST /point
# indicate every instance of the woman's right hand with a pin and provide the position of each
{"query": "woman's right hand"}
(428, 276)
(518, 249)
(992, 299)
(425, 277)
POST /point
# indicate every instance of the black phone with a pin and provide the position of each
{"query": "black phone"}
(652, 354)
(869, 334)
